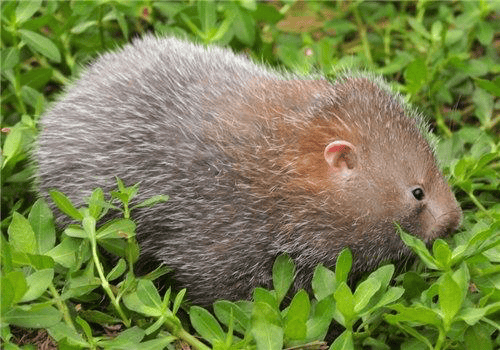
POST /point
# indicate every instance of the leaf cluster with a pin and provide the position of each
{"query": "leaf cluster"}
(56, 283)
(442, 55)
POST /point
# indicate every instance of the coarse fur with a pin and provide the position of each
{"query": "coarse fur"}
(256, 163)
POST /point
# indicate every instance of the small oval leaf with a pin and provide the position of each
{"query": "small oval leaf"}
(41, 44)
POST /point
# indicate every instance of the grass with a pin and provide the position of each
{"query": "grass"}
(443, 56)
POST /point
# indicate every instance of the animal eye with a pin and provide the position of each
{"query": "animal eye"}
(418, 193)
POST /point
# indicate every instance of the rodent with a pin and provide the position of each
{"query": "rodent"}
(257, 162)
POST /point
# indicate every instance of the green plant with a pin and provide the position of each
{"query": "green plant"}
(442, 55)
(44, 278)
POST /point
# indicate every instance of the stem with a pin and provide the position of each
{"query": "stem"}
(130, 262)
(17, 74)
(105, 284)
(441, 123)
(101, 30)
(476, 202)
(440, 340)
(491, 322)
(127, 211)
(362, 33)
(181, 333)
(61, 305)
(387, 45)
(70, 60)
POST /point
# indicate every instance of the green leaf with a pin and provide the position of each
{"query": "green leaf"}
(478, 337)
(83, 26)
(81, 283)
(263, 312)
(21, 235)
(319, 322)
(207, 15)
(265, 296)
(343, 342)
(37, 282)
(10, 58)
(65, 205)
(224, 310)
(169, 9)
(14, 286)
(415, 75)
(149, 294)
(61, 330)
(224, 34)
(99, 317)
(88, 224)
(206, 325)
(39, 262)
(152, 201)
(119, 228)
(418, 314)
(482, 234)
(490, 86)
(120, 18)
(383, 274)
(7, 294)
(125, 194)
(345, 304)
(462, 277)
(132, 249)
(267, 336)
(177, 301)
(323, 282)
(283, 275)
(85, 326)
(243, 25)
(65, 252)
(297, 315)
(392, 295)
(418, 247)
(117, 271)
(485, 33)
(364, 292)
(145, 299)
(40, 44)
(437, 31)
(117, 247)
(442, 252)
(42, 222)
(267, 13)
(471, 315)
(26, 9)
(419, 28)
(37, 78)
(32, 97)
(95, 203)
(12, 145)
(342, 27)
(343, 265)
(75, 231)
(128, 339)
(155, 344)
(484, 105)
(35, 316)
(450, 298)
(5, 255)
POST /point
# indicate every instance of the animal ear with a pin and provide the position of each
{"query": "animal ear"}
(341, 156)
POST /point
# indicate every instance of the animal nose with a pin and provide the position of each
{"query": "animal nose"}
(447, 223)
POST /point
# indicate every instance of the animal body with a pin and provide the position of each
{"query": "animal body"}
(256, 162)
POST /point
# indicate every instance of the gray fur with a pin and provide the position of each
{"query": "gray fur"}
(193, 123)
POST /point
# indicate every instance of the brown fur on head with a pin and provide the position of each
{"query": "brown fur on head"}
(344, 162)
